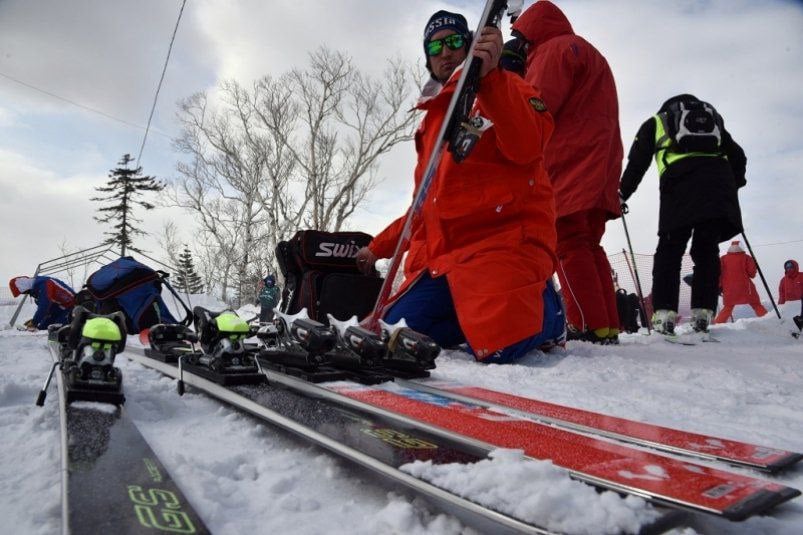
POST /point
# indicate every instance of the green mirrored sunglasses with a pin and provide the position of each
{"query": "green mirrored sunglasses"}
(455, 41)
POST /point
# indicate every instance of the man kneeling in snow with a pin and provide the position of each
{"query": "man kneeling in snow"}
(54, 299)
(481, 251)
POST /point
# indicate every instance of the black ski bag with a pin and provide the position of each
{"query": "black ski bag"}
(320, 274)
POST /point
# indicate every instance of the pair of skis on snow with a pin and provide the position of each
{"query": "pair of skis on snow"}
(594, 448)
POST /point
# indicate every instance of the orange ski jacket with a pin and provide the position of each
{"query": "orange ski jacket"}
(488, 223)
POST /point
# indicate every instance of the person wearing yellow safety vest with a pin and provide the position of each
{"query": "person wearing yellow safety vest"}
(701, 168)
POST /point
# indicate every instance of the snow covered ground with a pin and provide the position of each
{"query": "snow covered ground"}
(246, 477)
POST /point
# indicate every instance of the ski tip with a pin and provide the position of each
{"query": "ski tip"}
(784, 462)
(760, 502)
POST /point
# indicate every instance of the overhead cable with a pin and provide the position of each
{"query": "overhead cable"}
(161, 79)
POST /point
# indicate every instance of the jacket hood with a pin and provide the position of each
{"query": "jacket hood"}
(541, 22)
(735, 247)
(20, 285)
(685, 97)
(795, 267)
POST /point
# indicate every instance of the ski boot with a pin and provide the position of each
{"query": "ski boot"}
(597, 336)
(221, 336)
(701, 319)
(799, 324)
(663, 321)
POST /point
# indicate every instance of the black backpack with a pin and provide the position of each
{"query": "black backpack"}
(321, 275)
(694, 126)
(627, 305)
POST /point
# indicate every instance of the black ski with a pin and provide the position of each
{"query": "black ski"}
(112, 481)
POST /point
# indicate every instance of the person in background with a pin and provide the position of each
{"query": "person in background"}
(700, 169)
(268, 298)
(583, 159)
(54, 300)
(791, 286)
(481, 251)
(737, 268)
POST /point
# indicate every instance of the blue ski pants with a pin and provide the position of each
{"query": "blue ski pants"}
(427, 307)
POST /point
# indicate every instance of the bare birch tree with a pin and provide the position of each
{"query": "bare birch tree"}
(300, 150)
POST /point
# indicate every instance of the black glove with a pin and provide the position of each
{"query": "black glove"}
(514, 56)
(623, 205)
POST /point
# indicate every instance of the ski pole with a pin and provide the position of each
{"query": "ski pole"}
(766, 286)
(634, 269)
(40, 399)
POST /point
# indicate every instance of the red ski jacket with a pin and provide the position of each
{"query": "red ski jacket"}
(488, 223)
(584, 156)
(791, 287)
(736, 271)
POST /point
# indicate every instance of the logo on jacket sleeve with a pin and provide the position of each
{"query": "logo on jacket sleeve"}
(537, 104)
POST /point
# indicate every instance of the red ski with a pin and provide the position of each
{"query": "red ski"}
(654, 436)
(596, 461)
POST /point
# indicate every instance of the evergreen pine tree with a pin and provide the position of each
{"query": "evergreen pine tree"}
(123, 188)
(187, 280)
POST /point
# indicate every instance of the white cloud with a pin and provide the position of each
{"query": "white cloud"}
(6, 118)
(742, 55)
(41, 210)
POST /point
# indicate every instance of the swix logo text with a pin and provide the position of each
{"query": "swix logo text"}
(338, 250)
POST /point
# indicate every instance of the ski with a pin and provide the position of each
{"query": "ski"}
(112, 481)
(606, 465)
(377, 440)
(584, 456)
(601, 463)
(661, 438)
(679, 339)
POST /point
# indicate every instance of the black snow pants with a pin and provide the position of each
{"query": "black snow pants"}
(704, 252)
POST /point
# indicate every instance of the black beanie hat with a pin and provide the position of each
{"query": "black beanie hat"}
(444, 20)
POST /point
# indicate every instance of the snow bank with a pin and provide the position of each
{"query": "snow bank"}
(245, 477)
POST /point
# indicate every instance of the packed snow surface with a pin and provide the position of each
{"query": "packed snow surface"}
(246, 477)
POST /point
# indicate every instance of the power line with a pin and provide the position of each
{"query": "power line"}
(77, 104)
(161, 79)
(778, 243)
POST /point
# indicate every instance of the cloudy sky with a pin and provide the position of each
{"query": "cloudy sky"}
(77, 80)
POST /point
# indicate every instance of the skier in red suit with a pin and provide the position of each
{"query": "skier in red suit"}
(583, 159)
(791, 287)
(736, 270)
